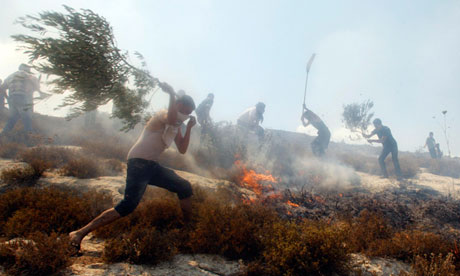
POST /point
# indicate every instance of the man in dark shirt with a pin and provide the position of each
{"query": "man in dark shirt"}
(431, 144)
(389, 146)
(203, 109)
(321, 142)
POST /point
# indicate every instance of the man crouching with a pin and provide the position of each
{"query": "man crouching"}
(159, 133)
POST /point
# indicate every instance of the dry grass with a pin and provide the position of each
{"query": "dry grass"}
(83, 167)
(27, 210)
(39, 255)
(445, 167)
(55, 156)
(24, 175)
(434, 265)
(10, 150)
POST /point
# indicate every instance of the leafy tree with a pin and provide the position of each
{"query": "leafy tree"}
(357, 117)
(78, 51)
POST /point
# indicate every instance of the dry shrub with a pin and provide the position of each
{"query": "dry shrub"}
(434, 265)
(409, 166)
(231, 231)
(308, 248)
(55, 156)
(367, 229)
(141, 245)
(162, 214)
(10, 150)
(406, 245)
(446, 167)
(113, 166)
(147, 236)
(26, 210)
(39, 255)
(24, 175)
(105, 146)
(369, 164)
(83, 167)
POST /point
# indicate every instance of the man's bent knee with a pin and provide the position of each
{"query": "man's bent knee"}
(126, 207)
(185, 190)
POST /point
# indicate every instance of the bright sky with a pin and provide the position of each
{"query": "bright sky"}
(403, 55)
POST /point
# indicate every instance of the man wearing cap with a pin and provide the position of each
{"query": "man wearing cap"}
(20, 85)
(389, 146)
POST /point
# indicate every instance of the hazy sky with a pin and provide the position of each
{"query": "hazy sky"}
(403, 55)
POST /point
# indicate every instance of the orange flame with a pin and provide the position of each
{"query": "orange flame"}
(251, 180)
(292, 204)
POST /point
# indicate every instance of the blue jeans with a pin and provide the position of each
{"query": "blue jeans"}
(19, 109)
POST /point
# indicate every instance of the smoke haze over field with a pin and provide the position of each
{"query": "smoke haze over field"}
(402, 55)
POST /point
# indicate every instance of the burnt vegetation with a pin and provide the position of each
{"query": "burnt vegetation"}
(314, 235)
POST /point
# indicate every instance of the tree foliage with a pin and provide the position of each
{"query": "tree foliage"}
(78, 51)
(357, 117)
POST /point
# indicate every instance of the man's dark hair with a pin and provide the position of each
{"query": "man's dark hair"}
(431, 133)
(186, 100)
(261, 104)
(377, 122)
(211, 95)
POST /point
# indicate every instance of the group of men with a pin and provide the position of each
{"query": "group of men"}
(162, 130)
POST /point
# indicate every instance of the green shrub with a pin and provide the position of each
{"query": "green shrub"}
(39, 255)
(308, 248)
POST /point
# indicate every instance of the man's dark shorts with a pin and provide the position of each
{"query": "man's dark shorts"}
(141, 173)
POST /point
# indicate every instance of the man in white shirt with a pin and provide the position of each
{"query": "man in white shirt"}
(20, 85)
(252, 117)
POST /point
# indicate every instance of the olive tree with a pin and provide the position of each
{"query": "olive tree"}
(79, 53)
(357, 116)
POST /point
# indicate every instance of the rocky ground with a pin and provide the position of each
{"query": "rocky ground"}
(90, 263)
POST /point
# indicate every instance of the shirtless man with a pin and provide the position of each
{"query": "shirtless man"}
(143, 169)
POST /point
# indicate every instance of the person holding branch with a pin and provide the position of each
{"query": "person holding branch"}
(389, 146)
(143, 169)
